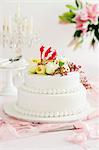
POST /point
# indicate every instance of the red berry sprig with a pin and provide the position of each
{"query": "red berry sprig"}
(84, 80)
(73, 67)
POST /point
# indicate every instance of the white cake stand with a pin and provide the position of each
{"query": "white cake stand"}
(9, 109)
(9, 89)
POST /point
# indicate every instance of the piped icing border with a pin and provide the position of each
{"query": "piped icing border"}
(50, 91)
(51, 114)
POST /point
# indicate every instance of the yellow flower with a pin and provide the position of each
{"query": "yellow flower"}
(32, 68)
(36, 60)
(40, 69)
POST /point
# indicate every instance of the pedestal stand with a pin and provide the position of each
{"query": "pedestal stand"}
(9, 88)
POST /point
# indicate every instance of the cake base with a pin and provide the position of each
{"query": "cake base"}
(9, 109)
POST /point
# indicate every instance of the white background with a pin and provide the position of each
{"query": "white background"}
(46, 23)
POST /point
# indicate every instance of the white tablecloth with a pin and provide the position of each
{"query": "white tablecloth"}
(46, 141)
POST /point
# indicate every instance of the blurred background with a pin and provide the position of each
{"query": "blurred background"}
(48, 31)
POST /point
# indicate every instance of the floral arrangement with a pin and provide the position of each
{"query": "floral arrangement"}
(49, 64)
(86, 18)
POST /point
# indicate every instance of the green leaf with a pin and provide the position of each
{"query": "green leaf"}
(77, 33)
(97, 33)
(98, 20)
(61, 63)
(78, 3)
(91, 27)
(71, 7)
(70, 14)
(93, 42)
(64, 19)
(68, 17)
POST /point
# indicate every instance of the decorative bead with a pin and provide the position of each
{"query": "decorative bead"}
(44, 92)
(51, 114)
(47, 114)
(40, 91)
(54, 91)
(50, 91)
(42, 114)
(57, 114)
(61, 114)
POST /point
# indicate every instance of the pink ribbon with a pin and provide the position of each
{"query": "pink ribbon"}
(7, 131)
(80, 136)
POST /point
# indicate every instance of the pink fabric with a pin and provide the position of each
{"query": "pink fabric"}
(88, 131)
(80, 136)
(11, 128)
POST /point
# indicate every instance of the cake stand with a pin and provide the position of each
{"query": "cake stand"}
(9, 89)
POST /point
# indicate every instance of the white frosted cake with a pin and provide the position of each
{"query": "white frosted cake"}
(51, 96)
(51, 88)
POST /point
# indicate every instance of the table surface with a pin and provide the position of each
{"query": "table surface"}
(48, 141)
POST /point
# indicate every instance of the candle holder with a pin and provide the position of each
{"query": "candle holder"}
(16, 34)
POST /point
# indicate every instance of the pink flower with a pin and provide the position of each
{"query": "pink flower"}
(88, 13)
(82, 21)
(83, 15)
(93, 12)
(82, 26)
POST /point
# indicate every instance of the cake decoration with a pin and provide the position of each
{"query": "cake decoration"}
(49, 64)
(53, 90)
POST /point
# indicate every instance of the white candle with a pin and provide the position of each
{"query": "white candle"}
(31, 25)
(10, 25)
(6, 25)
(25, 26)
(18, 10)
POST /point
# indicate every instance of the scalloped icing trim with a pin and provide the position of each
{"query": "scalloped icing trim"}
(52, 114)
(49, 91)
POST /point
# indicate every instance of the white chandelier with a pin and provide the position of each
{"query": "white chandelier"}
(17, 33)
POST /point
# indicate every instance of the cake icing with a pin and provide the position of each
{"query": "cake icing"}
(36, 81)
(56, 92)
(64, 100)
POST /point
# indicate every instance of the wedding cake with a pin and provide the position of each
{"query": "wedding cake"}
(51, 88)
